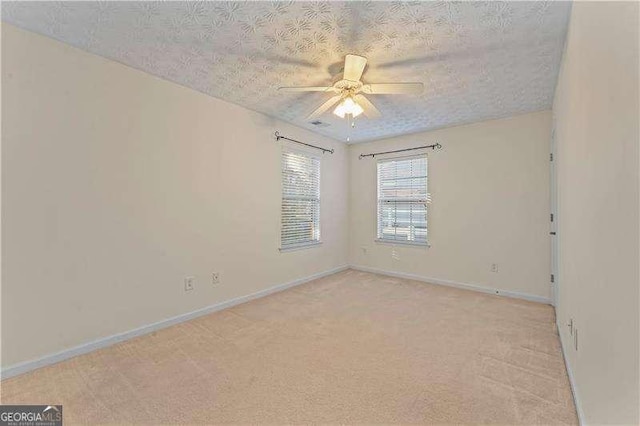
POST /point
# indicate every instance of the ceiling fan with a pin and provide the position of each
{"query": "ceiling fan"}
(350, 91)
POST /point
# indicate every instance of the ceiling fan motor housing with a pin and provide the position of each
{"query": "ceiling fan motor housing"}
(348, 85)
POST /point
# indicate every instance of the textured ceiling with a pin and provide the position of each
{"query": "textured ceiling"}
(477, 60)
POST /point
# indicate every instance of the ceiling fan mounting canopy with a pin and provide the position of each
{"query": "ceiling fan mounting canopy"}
(349, 91)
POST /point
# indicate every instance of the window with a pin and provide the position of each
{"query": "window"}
(300, 200)
(402, 200)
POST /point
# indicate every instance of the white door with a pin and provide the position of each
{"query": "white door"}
(553, 217)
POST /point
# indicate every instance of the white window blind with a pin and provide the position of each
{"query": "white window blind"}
(300, 200)
(402, 200)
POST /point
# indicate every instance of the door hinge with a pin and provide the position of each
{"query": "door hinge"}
(551, 217)
(553, 278)
(551, 157)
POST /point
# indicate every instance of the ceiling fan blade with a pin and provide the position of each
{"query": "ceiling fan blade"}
(324, 107)
(354, 67)
(308, 89)
(369, 109)
(393, 88)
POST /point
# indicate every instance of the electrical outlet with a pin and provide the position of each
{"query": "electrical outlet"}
(494, 267)
(188, 283)
(215, 278)
(394, 254)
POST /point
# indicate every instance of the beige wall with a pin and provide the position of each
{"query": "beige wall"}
(116, 185)
(596, 129)
(490, 204)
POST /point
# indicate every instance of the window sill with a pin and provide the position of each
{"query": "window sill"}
(300, 246)
(403, 243)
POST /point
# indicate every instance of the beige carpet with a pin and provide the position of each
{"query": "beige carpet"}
(353, 347)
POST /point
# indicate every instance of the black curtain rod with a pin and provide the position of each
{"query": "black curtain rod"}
(434, 146)
(278, 137)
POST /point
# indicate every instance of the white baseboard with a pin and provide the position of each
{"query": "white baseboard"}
(449, 283)
(26, 366)
(576, 398)
(84, 348)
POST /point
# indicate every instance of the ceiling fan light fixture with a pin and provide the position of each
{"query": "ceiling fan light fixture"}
(348, 106)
